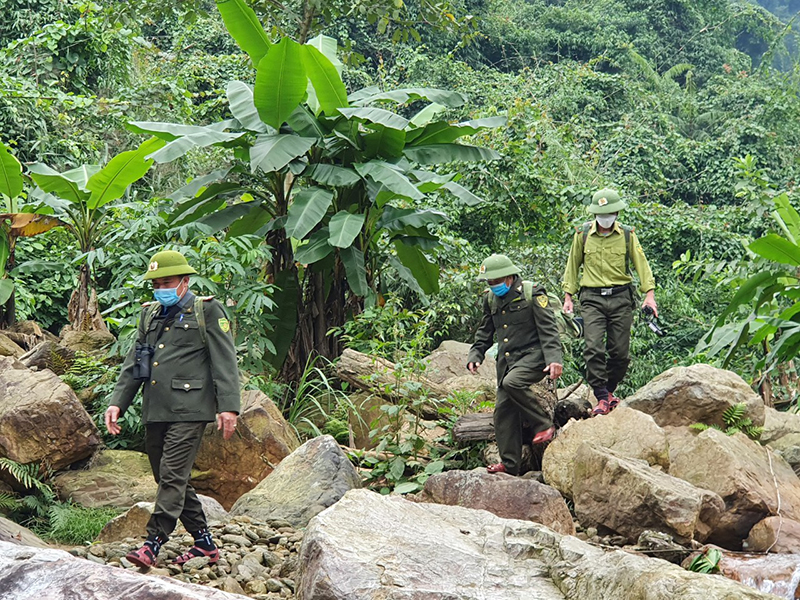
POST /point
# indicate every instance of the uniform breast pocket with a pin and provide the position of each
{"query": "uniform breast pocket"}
(616, 258)
(185, 333)
(519, 312)
(592, 257)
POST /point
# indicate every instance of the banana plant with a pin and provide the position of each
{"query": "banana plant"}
(80, 198)
(13, 225)
(336, 182)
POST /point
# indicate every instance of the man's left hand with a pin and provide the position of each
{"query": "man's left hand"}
(226, 421)
(650, 300)
(554, 369)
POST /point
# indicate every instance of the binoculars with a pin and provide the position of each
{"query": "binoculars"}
(143, 358)
(650, 319)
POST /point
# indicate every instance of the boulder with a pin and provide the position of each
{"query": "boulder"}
(782, 434)
(27, 334)
(14, 533)
(696, 394)
(93, 342)
(370, 546)
(774, 534)
(628, 497)
(627, 432)
(10, 348)
(309, 480)
(575, 402)
(741, 472)
(114, 478)
(366, 417)
(49, 355)
(227, 469)
(41, 418)
(27, 573)
(449, 361)
(506, 496)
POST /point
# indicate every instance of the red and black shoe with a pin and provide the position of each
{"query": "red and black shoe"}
(144, 557)
(613, 402)
(603, 408)
(197, 552)
(498, 468)
(544, 436)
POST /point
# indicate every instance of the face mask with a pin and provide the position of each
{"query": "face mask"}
(167, 296)
(500, 289)
(606, 221)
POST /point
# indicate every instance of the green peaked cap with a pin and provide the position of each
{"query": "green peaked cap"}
(166, 264)
(497, 266)
(606, 201)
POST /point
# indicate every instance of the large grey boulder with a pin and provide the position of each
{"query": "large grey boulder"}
(309, 480)
(782, 434)
(626, 431)
(696, 394)
(628, 497)
(50, 574)
(114, 479)
(41, 419)
(506, 496)
(449, 361)
(226, 469)
(369, 546)
(14, 533)
(742, 472)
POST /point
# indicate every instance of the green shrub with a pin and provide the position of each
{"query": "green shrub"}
(75, 524)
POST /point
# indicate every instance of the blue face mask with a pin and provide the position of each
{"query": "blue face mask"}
(500, 289)
(167, 296)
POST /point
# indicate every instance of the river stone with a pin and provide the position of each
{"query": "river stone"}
(369, 546)
(51, 574)
(773, 573)
(15, 533)
(41, 418)
(626, 431)
(506, 496)
(740, 471)
(227, 469)
(114, 478)
(131, 523)
(696, 394)
(308, 481)
(774, 534)
(627, 497)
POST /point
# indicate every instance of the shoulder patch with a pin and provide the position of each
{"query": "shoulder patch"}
(224, 324)
(542, 300)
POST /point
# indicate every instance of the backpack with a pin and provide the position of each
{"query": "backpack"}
(625, 230)
(565, 323)
(197, 307)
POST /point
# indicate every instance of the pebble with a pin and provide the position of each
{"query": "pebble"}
(239, 540)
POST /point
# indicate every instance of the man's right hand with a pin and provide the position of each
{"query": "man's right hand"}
(112, 414)
(472, 367)
(568, 306)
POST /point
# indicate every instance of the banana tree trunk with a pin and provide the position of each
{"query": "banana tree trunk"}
(83, 310)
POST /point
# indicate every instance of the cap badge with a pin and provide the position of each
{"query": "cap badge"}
(153, 266)
(602, 201)
(483, 269)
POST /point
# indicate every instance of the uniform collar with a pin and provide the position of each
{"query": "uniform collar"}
(515, 290)
(614, 229)
(185, 302)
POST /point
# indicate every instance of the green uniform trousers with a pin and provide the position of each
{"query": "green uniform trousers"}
(171, 448)
(515, 402)
(607, 324)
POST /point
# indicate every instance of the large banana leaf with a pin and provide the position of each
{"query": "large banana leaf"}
(240, 101)
(384, 142)
(376, 115)
(424, 271)
(221, 219)
(110, 182)
(787, 217)
(286, 296)
(353, 260)
(210, 199)
(403, 96)
(333, 175)
(250, 223)
(191, 189)
(427, 114)
(328, 47)
(462, 193)
(316, 249)
(344, 228)
(306, 211)
(435, 154)
(280, 82)
(6, 289)
(330, 91)
(243, 25)
(53, 182)
(81, 175)
(273, 152)
(395, 219)
(774, 247)
(442, 132)
(393, 180)
(10, 173)
(304, 123)
(29, 224)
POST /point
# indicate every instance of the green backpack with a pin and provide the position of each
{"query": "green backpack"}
(567, 327)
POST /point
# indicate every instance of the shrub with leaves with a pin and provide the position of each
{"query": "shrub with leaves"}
(736, 420)
(708, 562)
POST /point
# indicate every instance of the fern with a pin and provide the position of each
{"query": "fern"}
(23, 474)
(8, 502)
(699, 426)
(735, 421)
(733, 415)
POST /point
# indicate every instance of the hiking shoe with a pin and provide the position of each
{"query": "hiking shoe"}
(143, 557)
(544, 436)
(197, 552)
(602, 408)
(498, 468)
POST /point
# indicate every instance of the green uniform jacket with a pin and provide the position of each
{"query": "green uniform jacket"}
(603, 261)
(190, 381)
(521, 328)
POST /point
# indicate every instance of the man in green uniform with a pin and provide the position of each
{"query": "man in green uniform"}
(185, 358)
(528, 347)
(605, 248)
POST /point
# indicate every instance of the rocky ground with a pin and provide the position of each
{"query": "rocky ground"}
(257, 559)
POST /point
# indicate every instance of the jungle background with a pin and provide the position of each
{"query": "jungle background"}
(689, 108)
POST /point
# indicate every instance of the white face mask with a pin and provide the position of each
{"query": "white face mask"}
(606, 221)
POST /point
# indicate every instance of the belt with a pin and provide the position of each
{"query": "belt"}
(608, 291)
